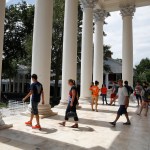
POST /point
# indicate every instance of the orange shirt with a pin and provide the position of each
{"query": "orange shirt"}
(104, 90)
(95, 90)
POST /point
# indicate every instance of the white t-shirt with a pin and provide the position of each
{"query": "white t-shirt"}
(122, 93)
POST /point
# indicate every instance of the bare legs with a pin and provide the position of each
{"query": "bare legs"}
(94, 100)
(144, 104)
(113, 100)
(37, 120)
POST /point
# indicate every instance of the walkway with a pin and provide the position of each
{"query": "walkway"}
(94, 132)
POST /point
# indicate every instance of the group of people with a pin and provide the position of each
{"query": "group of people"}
(119, 91)
(95, 94)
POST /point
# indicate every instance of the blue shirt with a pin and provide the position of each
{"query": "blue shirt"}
(36, 89)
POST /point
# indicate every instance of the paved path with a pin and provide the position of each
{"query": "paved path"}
(94, 132)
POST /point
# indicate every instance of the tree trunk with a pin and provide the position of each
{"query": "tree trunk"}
(56, 84)
(9, 85)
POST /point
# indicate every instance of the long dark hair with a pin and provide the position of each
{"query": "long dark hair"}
(72, 81)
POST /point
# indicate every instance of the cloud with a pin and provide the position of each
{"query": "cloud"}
(141, 34)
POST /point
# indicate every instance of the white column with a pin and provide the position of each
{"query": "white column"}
(69, 67)
(2, 17)
(87, 48)
(41, 51)
(106, 80)
(127, 46)
(99, 16)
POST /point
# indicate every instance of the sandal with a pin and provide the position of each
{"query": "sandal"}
(74, 126)
(62, 124)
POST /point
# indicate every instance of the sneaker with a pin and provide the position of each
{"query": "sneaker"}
(113, 123)
(36, 127)
(29, 123)
(74, 126)
(127, 123)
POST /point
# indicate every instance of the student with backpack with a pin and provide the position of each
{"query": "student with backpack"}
(95, 94)
(129, 88)
(145, 94)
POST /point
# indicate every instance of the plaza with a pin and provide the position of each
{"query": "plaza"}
(94, 132)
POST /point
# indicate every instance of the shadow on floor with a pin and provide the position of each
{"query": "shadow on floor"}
(28, 141)
(84, 121)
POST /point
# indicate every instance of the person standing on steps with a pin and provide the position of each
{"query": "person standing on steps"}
(104, 93)
(95, 94)
(123, 99)
(36, 90)
(72, 103)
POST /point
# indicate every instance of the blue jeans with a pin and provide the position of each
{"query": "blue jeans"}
(104, 98)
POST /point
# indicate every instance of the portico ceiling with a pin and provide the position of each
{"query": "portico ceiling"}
(114, 5)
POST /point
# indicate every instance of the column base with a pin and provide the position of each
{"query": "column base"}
(63, 101)
(44, 111)
(84, 100)
(3, 125)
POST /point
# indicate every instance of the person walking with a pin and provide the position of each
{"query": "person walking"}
(104, 93)
(145, 93)
(129, 88)
(95, 94)
(138, 90)
(36, 90)
(72, 103)
(113, 95)
(123, 99)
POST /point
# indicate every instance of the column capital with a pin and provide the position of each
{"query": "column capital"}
(99, 15)
(88, 3)
(127, 11)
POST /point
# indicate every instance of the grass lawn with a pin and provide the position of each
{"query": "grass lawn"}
(2, 105)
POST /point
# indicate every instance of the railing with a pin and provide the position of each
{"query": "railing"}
(16, 107)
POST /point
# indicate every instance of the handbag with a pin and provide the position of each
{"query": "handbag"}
(71, 114)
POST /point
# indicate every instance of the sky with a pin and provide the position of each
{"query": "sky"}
(141, 32)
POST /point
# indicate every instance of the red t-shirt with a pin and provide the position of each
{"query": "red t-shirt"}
(104, 90)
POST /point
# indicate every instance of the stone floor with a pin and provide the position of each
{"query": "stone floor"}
(94, 133)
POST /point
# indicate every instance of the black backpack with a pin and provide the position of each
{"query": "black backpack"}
(129, 89)
(147, 93)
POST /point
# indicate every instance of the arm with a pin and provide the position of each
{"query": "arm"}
(73, 97)
(28, 95)
(126, 101)
(43, 101)
(125, 92)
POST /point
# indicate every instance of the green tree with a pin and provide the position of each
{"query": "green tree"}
(142, 71)
(18, 28)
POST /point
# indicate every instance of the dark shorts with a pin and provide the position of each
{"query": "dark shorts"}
(138, 97)
(35, 108)
(122, 110)
(113, 95)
